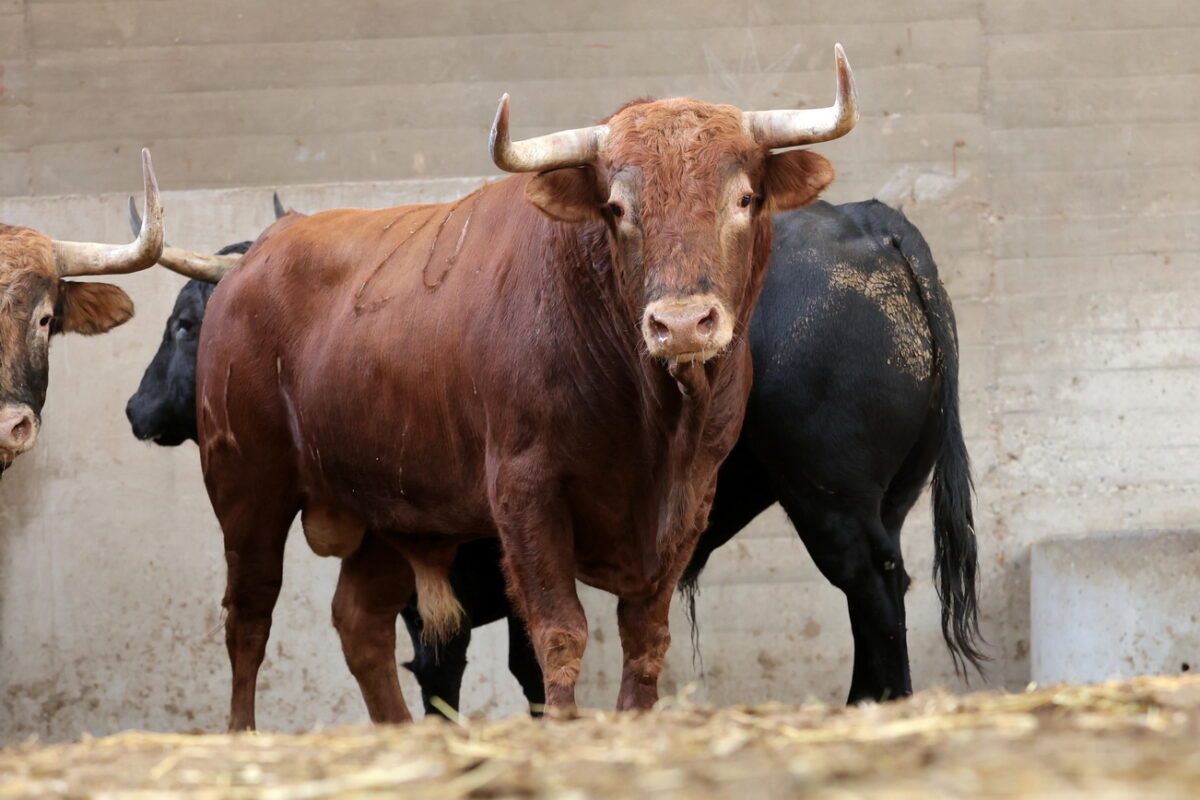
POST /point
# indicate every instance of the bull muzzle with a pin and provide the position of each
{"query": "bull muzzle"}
(687, 329)
(18, 431)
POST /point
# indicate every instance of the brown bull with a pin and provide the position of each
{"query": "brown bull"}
(557, 359)
(37, 302)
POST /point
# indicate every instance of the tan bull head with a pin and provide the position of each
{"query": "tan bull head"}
(36, 302)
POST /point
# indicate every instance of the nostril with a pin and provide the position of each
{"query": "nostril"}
(658, 329)
(708, 322)
(20, 431)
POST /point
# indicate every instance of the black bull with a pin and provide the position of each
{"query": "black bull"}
(854, 405)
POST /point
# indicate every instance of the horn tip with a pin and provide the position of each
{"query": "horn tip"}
(151, 180)
(502, 106)
(501, 109)
(498, 138)
(839, 55)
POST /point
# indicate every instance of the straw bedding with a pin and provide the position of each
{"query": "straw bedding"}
(1119, 739)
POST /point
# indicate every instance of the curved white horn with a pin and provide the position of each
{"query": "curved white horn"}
(89, 258)
(198, 266)
(135, 219)
(792, 127)
(571, 148)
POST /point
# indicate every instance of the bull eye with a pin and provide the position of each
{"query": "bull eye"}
(616, 209)
(746, 200)
(45, 321)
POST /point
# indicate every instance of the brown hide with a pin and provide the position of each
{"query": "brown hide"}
(454, 371)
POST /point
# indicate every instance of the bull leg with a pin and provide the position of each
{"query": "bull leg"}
(523, 664)
(438, 668)
(545, 588)
(645, 636)
(855, 553)
(254, 539)
(375, 584)
(539, 562)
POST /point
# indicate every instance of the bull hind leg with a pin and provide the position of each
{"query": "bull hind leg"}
(523, 664)
(255, 534)
(856, 554)
(438, 668)
(375, 584)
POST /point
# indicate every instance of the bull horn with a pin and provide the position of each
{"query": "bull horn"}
(572, 148)
(135, 219)
(89, 258)
(791, 128)
(279, 209)
(197, 266)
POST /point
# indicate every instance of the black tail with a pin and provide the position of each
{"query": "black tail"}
(955, 560)
(688, 586)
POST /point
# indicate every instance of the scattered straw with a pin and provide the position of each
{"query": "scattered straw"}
(1112, 740)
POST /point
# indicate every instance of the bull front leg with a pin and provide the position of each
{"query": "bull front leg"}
(645, 637)
(542, 585)
(539, 563)
(644, 620)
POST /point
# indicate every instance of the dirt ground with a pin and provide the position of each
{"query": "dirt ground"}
(1120, 739)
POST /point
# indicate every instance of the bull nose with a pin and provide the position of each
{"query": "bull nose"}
(134, 415)
(687, 330)
(18, 430)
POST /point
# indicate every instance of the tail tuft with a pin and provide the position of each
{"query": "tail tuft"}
(440, 610)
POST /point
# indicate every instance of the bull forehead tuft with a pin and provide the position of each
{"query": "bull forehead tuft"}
(24, 252)
(642, 133)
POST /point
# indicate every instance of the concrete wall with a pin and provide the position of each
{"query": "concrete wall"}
(1116, 605)
(1048, 151)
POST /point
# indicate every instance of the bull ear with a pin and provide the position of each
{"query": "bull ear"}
(567, 195)
(91, 308)
(796, 178)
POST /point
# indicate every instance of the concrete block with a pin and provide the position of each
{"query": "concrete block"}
(1035, 317)
(1152, 389)
(1115, 606)
(1119, 144)
(14, 128)
(1093, 53)
(1097, 350)
(1059, 102)
(1100, 234)
(1155, 271)
(15, 177)
(764, 52)
(72, 25)
(12, 34)
(1131, 189)
(1013, 16)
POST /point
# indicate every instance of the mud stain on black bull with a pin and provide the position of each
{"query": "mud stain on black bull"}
(887, 289)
